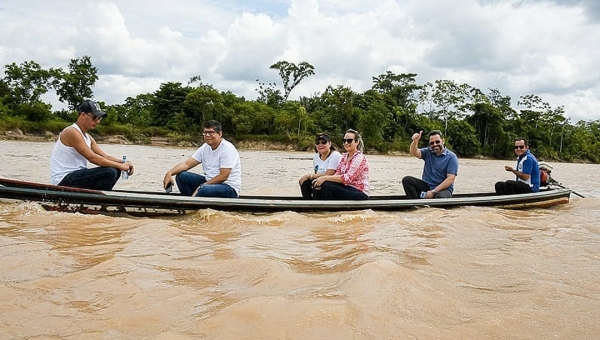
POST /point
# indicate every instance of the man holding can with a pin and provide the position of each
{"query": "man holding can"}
(75, 148)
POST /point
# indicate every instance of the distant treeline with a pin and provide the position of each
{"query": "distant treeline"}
(474, 123)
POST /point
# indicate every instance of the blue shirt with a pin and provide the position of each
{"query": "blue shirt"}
(437, 168)
(528, 164)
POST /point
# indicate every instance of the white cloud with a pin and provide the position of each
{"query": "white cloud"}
(538, 47)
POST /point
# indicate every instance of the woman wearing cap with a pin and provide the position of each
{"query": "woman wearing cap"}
(325, 161)
(351, 178)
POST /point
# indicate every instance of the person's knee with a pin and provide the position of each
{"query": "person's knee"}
(216, 190)
(184, 178)
(325, 191)
(203, 191)
(408, 180)
(114, 173)
(180, 177)
(499, 187)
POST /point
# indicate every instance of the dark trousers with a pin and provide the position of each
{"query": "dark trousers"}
(99, 178)
(512, 187)
(332, 190)
(414, 186)
(306, 189)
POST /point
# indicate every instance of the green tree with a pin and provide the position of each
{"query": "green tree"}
(269, 94)
(36, 112)
(335, 110)
(488, 123)
(74, 86)
(168, 102)
(253, 118)
(450, 97)
(26, 83)
(200, 105)
(292, 74)
(400, 93)
(138, 111)
(463, 138)
(371, 125)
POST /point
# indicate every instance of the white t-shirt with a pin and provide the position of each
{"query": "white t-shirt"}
(321, 166)
(224, 156)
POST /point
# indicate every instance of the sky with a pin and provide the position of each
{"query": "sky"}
(544, 47)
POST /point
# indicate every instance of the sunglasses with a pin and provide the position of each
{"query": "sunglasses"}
(322, 142)
(348, 141)
(435, 142)
(96, 119)
(519, 147)
(209, 133)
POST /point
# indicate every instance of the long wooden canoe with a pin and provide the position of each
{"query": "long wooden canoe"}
(140, 203)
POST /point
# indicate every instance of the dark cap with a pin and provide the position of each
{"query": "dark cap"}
(90, 106)
(323, 137)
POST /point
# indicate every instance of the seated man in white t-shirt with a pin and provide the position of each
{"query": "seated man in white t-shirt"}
(220, 164)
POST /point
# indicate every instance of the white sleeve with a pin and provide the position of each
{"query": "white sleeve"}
(334, 160)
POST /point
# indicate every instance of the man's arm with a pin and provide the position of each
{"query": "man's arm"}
(221, 177)
(445, 184)
(414, 145)
(183, 166)
(522, 175)
(72, 137)
(442, 186)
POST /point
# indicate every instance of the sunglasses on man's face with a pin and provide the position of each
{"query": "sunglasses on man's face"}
(519, 147)
(96, 119)
(321, 142)
(348, 141)
(435, 142)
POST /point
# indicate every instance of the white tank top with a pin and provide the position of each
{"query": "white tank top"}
(65, 159)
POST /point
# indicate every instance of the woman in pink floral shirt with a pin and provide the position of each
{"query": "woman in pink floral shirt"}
(351, 178)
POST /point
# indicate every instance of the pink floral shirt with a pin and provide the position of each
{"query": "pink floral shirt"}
(354, 171)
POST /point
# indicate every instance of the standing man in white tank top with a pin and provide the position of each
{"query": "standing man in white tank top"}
(75, 148)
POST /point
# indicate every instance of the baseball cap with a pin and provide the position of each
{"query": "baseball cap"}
(90, 106)
(323, 137)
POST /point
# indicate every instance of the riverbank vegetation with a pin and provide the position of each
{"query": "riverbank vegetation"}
(476, 123)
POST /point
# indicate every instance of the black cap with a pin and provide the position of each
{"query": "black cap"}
(90, 106)
(323, 137)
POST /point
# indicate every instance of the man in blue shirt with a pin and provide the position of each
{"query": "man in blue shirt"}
(527, 172)
(439, 171)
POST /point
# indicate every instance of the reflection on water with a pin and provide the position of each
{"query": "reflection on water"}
(467, 273)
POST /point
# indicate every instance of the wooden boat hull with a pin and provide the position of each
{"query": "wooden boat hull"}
(59, 198)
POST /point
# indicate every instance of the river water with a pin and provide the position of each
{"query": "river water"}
(464, 273)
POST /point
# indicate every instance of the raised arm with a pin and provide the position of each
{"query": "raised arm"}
(414, 145)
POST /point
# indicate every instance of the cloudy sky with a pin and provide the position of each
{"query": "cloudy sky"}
(543, 47)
